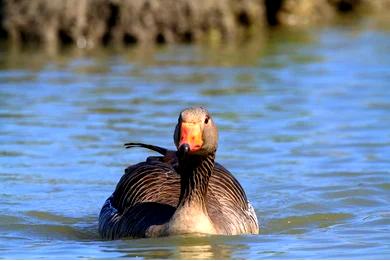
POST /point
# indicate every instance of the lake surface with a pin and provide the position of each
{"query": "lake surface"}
(304, 121)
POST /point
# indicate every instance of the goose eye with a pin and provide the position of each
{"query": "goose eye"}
(206, 120)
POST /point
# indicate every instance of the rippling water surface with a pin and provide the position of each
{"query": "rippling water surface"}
(304, 119)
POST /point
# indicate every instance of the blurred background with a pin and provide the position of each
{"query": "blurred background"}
(299, 90)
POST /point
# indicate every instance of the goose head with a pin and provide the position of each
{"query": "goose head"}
(196, 132)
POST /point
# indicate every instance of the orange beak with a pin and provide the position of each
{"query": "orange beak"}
(190, 133)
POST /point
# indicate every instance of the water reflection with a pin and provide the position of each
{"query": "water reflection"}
(179, 247)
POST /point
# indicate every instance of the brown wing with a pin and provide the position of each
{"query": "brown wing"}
(146, 195)
(230, 210)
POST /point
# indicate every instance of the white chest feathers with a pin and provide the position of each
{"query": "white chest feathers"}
(187, 220)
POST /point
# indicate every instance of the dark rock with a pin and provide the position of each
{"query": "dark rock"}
(89, 23)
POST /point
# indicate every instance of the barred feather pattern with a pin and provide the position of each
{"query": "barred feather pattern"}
(195, 174)
(149, 192)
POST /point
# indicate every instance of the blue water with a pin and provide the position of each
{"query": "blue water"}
(304, 122)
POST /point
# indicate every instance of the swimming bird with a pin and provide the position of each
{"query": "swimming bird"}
(184, 191)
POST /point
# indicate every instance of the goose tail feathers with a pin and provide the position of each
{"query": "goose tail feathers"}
(157, 149)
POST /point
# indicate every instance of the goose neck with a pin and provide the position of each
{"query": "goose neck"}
(195, 173)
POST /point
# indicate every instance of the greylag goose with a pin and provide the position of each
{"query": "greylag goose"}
(181, 192)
